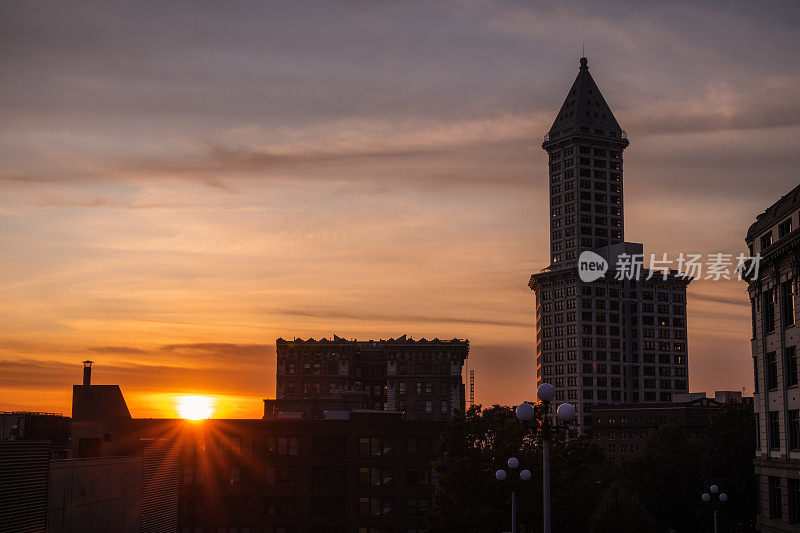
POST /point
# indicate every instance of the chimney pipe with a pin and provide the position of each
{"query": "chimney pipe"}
(87, 373)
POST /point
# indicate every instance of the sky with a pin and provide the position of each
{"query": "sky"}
(182, 183)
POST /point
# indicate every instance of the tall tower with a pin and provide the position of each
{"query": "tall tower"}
(614, 339)
(584, 146)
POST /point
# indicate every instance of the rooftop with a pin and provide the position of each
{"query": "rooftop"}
(788, 203)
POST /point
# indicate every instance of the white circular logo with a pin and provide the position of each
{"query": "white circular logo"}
(591, 266)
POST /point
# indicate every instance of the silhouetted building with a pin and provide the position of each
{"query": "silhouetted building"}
(776, 336)
(99, 494)
(621, 428)
(117, 468)
(721, 396)
(363, 471)
(615, 339)
(347, 446)
(23, 485)
(26, 425)
(419, 378)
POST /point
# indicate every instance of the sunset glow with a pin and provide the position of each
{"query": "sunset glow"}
(169, 218)
(193, 407)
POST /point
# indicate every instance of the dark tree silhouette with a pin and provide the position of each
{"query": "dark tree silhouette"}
(619, 511)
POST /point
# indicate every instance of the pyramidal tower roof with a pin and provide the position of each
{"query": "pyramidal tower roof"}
(584, 107)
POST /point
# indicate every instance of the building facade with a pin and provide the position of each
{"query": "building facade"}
(347, 446)
(617, 338)
(421, 378)
(775, 339)
(621, 429)
(366, 472)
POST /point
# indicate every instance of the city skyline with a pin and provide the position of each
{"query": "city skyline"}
(174, 200)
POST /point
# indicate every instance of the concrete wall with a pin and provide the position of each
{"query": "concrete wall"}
(95, 495)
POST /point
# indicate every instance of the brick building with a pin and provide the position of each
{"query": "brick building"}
(621, 429)
(420, 378)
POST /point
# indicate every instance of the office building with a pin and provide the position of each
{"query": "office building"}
(621, 337)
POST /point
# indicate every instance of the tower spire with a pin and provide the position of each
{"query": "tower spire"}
(585, 110)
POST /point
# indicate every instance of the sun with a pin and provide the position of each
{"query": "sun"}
(194, 407)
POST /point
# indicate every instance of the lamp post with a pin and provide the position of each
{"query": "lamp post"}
(565, 413)
(721, 498)
(501, 475)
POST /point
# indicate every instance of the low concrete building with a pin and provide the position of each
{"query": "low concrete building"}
(100, 494)
(23, 485)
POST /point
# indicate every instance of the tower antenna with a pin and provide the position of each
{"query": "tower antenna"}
(583, 49)
(472, 388)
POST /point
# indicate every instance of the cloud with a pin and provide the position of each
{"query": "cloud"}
(265, 168)
(720, 299)
(398, 318)
(121, 350)
(234, 353)
(33, 375)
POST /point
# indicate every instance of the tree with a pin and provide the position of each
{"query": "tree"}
(619, 511)
(476, 444)
(727, 458)
(473, 446)
(666, 477)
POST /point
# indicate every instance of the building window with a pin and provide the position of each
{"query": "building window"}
(445, 407)
(192, 474)
(794, 429)
(766, 240)
(790, 356)
(280, 506)
(375, 506)
(417, 506)
(787, 306)
(235, 476)
(374, 477)
(774, 430)
(402, 388)
(283, 446)
(375, 446)
(793, 489)
(755, 375)
(428, 406)
(772, 370)
(769, 311)
(418, 476)
(421, 447)
(785, 228)
(775, 510)
(758, 432)
(280, 475)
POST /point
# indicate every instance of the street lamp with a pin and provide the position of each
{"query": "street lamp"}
(721, 498)
(565, 413)
(501, 475)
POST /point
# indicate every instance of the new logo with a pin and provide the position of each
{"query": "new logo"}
(591, 266)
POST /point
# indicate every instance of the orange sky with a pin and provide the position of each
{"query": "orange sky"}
(180, 188)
